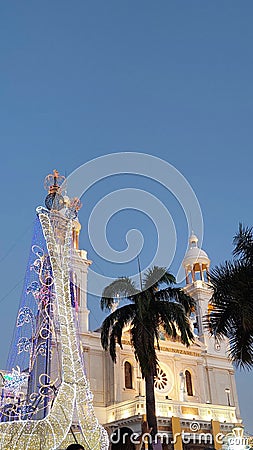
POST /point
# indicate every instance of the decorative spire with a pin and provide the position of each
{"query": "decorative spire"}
(53, 181)
(54, 200)
(193, 241)
(73, 205)
(196, 262)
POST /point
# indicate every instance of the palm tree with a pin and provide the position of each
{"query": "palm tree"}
(148, 310)
(232, 300)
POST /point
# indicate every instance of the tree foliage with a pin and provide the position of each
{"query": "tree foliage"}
(157, 305)
(232, 299)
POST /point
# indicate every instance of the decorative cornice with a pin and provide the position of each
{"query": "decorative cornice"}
(171, 350)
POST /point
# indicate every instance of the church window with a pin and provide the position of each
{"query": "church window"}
(161, 380)
(188, 382)
(128, 375)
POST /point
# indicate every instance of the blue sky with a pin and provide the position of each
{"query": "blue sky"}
(82, 79)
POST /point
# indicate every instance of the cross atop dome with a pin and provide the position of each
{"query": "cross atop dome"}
(53, 181)
(193, 241)
(196, 262)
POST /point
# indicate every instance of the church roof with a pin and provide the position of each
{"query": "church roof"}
(195, 254)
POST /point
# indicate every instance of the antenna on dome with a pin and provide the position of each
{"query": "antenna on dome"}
(191, 227)
(139, 268)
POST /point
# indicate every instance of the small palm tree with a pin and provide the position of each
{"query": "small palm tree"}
(232, 300)
(149, 309)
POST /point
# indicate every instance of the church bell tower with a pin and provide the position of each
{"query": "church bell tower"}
(60, 204)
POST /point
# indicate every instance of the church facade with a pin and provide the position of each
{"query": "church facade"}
(49, 399)
(196, 397)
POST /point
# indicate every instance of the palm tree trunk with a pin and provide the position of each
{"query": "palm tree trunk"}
(150, 406)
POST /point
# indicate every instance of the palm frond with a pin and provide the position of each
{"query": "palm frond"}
(232, 311)
(149, 310)
(156, 276)
(121, 288)
(143, 302)
(176, 295)
(142, 339)
(113, 325)
(241, 347)
(174, 320)
(243, 242)
(232, 282)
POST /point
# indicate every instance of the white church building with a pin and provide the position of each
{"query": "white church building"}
(196, 398)
(195, 390)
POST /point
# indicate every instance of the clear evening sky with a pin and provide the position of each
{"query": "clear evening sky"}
(80, 79)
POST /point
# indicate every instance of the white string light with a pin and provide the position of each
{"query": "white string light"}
(74, 392)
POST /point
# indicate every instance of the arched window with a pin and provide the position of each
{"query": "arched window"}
(128, 375)
(188, 382)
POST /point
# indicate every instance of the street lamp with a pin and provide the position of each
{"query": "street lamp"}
(227, 390)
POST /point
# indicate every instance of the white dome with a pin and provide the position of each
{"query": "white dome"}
(195, 254)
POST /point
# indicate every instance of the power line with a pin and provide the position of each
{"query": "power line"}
(16, 242)
(12, 289)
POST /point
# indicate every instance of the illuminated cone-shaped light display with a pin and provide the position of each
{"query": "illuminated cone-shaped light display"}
(40, 403)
